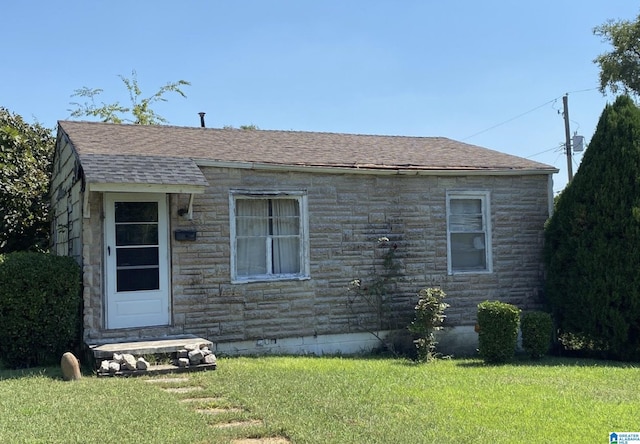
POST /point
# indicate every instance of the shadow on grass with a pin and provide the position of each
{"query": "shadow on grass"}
(50, 372)
(46, 372)
(547, 361)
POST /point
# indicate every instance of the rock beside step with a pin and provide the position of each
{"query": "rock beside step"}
(126, 364)
(197, 355)
(141, 364)
(122, 362)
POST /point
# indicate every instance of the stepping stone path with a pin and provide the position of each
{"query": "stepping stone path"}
(216, 410)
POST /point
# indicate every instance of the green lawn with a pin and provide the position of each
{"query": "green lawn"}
(333, 400)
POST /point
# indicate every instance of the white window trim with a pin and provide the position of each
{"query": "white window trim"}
(301, 197)
(485, 198)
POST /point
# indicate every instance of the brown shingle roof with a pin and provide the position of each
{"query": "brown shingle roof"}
(287, 148)
(110, 168)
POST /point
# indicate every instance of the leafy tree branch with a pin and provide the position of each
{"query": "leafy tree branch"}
(620, 67)
(140, 111)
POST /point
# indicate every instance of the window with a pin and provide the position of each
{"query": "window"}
(468, 232)
(268, 236)
(137, 246)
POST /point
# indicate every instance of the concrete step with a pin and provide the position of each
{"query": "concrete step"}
(147, 346)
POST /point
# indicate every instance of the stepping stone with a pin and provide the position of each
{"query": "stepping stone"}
(183, 389)
(228, 425)
(270, 440)
(201, 400)
(163, 380)
(218, 411)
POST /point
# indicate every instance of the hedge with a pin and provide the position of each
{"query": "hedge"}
(40, 308)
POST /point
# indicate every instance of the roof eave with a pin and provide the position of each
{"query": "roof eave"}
(146, 188)
(385, 171)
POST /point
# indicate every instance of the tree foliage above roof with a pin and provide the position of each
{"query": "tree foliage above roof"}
(592, 242)
(139, 111)
(620, 68)
(25, 161)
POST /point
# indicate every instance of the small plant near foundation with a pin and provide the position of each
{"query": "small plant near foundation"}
(376, 292)
(429, 317)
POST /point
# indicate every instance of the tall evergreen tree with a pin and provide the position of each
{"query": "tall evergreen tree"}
(592, 250)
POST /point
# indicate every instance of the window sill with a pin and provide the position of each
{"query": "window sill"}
(281, 278)
(456, 272)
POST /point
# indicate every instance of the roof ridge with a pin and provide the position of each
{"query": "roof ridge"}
(291, 131)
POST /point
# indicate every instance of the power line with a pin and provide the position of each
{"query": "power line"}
(558, 158)
(555, 148)
(511, 119)
(527, 112)
(583, 90)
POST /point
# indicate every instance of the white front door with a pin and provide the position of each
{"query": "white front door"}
(136, 257)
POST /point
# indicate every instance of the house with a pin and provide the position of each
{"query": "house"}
(250, 238)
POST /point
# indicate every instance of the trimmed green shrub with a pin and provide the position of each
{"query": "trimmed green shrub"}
(592, 241)
(498, 331)
(40, 308)
(429, 316)
(537, 332)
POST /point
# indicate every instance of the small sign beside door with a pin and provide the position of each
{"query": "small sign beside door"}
(184, 235)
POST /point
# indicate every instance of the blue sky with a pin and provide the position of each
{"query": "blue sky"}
(490, 73)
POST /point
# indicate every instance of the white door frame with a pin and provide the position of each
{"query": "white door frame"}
(140, 308)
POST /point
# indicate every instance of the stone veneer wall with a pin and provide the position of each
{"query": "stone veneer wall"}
(347, 214)
(66, 204)
(92, 271)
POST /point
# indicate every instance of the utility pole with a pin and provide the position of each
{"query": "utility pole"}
(567, 133)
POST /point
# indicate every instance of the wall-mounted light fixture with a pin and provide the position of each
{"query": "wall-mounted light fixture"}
(189, 210)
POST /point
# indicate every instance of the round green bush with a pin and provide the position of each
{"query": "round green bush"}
(498, 331)
(40, 308)
(537, 332)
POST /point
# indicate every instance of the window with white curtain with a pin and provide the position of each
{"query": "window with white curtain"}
(268, 236)
(468, 232)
